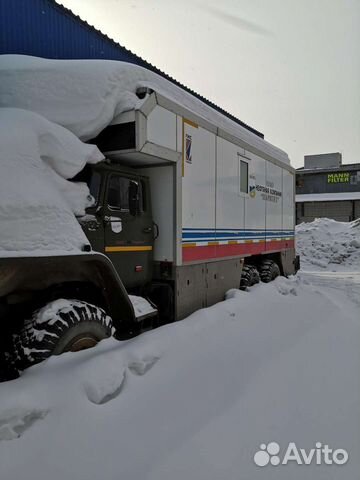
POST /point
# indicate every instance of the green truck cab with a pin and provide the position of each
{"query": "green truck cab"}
(90, 292)
(120, 222)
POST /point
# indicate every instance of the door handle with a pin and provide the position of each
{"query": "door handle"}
(147, 230)
(156, 227)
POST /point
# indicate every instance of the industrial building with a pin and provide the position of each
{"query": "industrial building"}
(327, 188)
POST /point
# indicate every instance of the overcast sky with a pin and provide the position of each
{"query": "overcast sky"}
(289, 68)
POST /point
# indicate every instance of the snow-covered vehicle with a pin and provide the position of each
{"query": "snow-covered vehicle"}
(184, 210)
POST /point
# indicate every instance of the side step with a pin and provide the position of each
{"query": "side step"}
(143, 308)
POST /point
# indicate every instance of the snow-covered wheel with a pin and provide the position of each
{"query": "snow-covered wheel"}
(268, 271)
(249, 276)
(8, 370)
(61, 326)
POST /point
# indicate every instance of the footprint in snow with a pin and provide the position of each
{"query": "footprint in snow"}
(109, 385)
(286, 286)
(106, 388)
(140, 367)
(14, 422)
(287, 290)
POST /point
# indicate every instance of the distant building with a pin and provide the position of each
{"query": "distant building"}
(327, 188)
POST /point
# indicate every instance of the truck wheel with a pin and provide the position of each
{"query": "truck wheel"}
(268, 271)
(8, 370)
(61, 326)
(249, 276)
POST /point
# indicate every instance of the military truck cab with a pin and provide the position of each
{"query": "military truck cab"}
(120, 222)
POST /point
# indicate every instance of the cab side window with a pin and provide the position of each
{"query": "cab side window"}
(118, 193)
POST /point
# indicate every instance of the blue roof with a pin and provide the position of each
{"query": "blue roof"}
(44, 28)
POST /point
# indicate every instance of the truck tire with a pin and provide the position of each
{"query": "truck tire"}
(269, 270)
(249, 276)
(8, 370)
(61, 326)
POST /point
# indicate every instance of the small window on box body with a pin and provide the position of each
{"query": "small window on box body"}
(244, 176)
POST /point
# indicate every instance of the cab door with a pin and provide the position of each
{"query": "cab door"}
(128, 228)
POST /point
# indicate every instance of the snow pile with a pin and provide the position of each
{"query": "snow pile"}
(37, 202)
(325, 241)
(197, 398)
(86, 95)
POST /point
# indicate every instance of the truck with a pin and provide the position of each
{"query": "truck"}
(184, 210)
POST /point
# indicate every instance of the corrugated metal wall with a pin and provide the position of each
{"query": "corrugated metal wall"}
(43, 28)
(342, 211)
(357, 209)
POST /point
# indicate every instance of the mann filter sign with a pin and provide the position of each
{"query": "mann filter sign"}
(340, 177)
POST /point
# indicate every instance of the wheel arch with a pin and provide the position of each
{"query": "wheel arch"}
(93, 275)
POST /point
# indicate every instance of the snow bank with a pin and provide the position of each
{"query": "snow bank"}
(197, 398)
(85, 95)
(37, 202)
(325, 241)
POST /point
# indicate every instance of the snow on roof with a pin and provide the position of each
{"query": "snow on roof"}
(144, 63)
(85, 95)
(37, 202)
(327, 197)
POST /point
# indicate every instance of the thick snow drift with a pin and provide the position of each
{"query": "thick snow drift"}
(85, 95)
(196, 399)
(325, 242)
(37, 202)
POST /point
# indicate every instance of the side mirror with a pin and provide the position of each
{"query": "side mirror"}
(99, 211)
(133, 198)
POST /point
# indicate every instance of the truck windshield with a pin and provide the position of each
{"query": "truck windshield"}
(92, 180)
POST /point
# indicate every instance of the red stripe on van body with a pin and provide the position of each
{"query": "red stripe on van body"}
(208, 252)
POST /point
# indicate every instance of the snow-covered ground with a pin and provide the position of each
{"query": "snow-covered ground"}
(196, 399)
